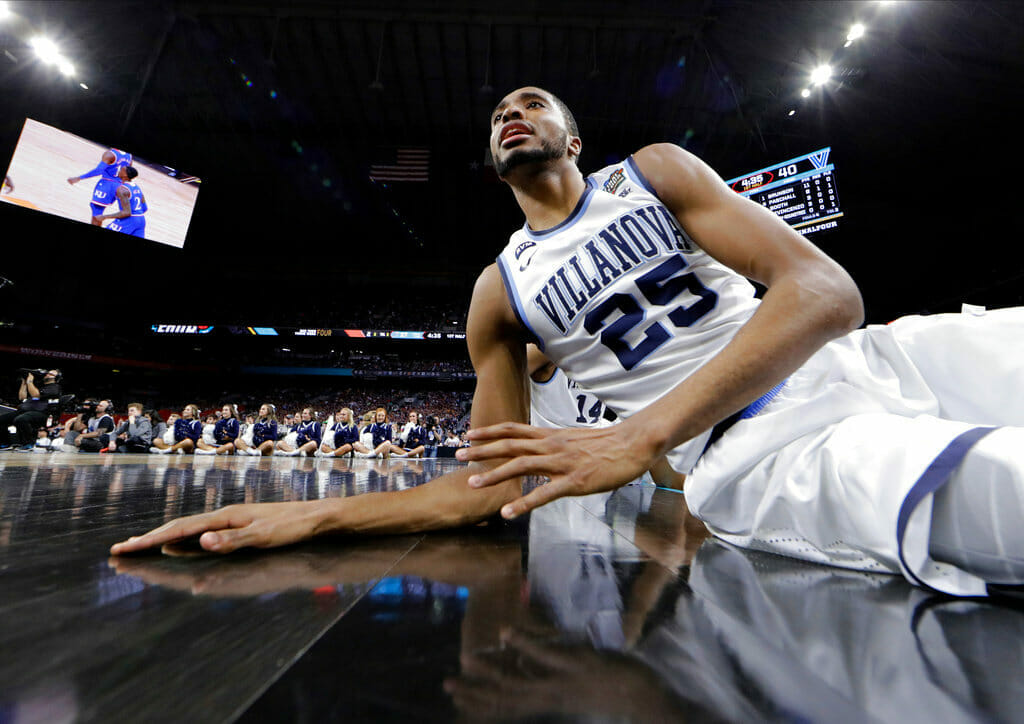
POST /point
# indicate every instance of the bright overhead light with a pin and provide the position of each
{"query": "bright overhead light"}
(805, 92)
(83, 86)
(821, 74)
(46, 49)
(5, 10)
(857, 31)
(65, 67)
(792, 112)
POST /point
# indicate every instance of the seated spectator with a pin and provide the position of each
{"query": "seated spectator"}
(382, 433)
(186, 432)
(226, 432)
(264, 433)
(98, 429)
(342, 438)
(414, 437)
(307, 432)
(209, 423)
(134, 435)
(157, 423)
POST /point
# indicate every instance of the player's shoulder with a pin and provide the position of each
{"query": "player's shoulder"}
(489, 290)
(659, 157)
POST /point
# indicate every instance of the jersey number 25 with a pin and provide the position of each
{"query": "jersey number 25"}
(659, 286)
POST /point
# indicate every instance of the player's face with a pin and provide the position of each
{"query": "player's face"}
(264, 411)
(414, 418)
(527, 127)
(226, 411)
(134, 411)
(381, 417)
(306, 417)
(187, 413)
(342, 416)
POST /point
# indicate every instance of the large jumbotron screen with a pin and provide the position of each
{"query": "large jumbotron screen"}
(47, 157)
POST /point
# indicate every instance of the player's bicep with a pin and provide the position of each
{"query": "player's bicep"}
(741, 234)
(498, 354)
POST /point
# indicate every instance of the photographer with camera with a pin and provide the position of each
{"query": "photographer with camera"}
(98, 427)
(39, 388)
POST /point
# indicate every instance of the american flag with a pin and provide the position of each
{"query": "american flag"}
(411, 164)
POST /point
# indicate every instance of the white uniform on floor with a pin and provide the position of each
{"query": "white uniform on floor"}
(560, 402)
(841, 463)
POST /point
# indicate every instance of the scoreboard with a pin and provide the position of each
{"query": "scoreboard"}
(801, 191)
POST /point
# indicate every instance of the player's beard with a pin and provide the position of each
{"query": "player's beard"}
(550, 150)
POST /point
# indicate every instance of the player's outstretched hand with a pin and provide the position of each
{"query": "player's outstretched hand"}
(73, 180)
(578, 461)
(253, 525)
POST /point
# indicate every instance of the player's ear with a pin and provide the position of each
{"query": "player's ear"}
(575, 148)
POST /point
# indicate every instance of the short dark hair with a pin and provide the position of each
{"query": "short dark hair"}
(130, 172)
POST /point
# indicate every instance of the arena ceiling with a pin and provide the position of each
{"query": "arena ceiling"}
(283, 108)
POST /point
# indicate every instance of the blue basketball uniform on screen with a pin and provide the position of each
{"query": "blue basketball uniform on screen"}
(105, 191)
(134, 225)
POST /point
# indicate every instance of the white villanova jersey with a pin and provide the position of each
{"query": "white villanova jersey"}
(561, 402)
(620, 297)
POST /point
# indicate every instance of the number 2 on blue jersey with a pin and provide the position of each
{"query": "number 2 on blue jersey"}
(659, 286)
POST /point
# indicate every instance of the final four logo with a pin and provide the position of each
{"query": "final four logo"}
(521, 250)
(614, 181)
(182, 328)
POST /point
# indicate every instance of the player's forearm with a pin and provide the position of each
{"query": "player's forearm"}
(798, 315)
(445, 502)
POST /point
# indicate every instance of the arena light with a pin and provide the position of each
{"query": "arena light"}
(792, 112)
(83, 86)
(5, 10)
(821, 74)
(65, 67)
(857, 31)
(805, 92)
(46, 49)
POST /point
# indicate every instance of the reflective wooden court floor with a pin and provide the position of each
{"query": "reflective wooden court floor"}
(608, 608)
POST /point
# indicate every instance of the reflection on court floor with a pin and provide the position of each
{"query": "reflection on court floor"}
(615, 605)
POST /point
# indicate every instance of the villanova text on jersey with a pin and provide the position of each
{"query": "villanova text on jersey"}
(632, 239)
(621, 298)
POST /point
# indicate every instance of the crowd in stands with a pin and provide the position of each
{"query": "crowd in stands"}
(356, 313)
(355, 422)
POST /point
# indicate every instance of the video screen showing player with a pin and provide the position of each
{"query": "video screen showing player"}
(59, 173)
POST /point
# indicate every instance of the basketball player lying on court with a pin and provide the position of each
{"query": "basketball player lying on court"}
(875, 449)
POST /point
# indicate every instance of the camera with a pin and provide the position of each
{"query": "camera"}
(86, 407)
(24, 372)
(431, 422)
